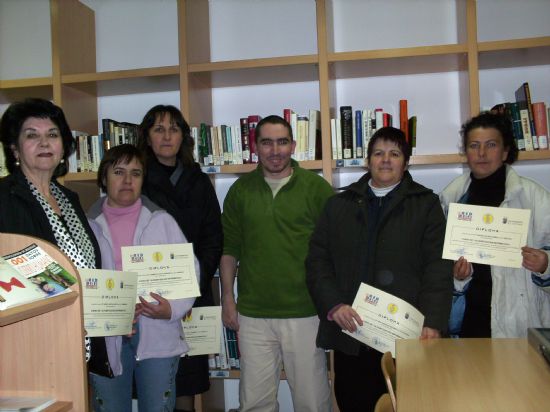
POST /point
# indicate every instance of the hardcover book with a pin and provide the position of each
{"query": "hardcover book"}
(252, 122)
(523, 98)
(541, 124)
(346, 124)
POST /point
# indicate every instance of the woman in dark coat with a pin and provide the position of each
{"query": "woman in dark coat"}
(387, 231)
(175, 182)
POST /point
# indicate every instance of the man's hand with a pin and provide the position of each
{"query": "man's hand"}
(230, 316)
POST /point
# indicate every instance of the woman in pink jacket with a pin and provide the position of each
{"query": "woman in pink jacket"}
(125, 218)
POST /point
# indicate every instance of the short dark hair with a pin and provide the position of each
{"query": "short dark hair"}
(123, 153)
(12, 122)
(393, 135)
(500, 122)
(273, 119)
(160, 110)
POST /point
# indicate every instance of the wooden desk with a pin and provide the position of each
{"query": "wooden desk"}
(471, 375)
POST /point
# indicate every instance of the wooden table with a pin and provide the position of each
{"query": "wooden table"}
(471, 375)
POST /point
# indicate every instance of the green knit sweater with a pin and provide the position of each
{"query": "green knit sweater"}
(269, 237)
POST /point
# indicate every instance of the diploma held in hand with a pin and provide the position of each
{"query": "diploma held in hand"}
(168, 270)
(487, 235)
(385, 319)
(203, 330)
(109, 301)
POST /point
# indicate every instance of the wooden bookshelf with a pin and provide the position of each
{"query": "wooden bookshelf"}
(74, 79)
(43, 342)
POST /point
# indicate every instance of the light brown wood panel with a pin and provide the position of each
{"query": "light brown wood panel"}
(470, 375)
(42, 348)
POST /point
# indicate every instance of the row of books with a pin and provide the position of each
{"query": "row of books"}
(530, 121)
(90, 148)
(229, 355)
(351, 132)
(236, 144)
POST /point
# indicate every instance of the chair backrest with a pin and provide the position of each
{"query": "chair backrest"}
(388, 369)
(384, 404)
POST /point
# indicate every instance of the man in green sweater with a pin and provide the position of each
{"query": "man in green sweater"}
(268, 217)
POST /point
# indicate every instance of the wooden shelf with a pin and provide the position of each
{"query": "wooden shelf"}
(120, 74)
(80, 177)
(59, 406)
(39, 307)
(397, 53)
(446, 159)
(29, 82)
(514, 44)
(252, 63)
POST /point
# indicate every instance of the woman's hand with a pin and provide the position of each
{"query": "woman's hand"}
(535, 260)
(137, 311)
(429, 333)
(162, 310)
(462, 269)
(347, 318)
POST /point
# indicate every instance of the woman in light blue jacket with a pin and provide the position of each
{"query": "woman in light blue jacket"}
(125, 218)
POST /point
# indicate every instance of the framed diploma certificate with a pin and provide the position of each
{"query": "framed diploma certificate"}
(385, 319)
(484, 234)
(168, 270)
(109, 300)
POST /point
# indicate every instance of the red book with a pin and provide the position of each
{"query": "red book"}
(404, 119)
(387, 120)
(286, 114)
(541, 124)
(252, 122)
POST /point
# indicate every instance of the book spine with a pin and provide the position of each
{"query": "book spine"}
(378, 118)
(541, 124)
(339, 154)
(333, 136)
(531, 115)
(347, 131)
(245, 140)
(526, 129)
(512, 109)
(302, 142)
(358, 134)
(314, 134)
(252, 122)
(404, 119)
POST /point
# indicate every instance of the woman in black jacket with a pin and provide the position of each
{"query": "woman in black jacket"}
(37, 142)
(386, 231)
(175, 182)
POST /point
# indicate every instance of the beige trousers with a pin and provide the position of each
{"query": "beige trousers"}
(266, 345)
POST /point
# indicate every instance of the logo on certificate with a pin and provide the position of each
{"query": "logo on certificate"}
(488, 218)
(157, 256)
(371, 299)
(110, 283)
(392, 308)
(465, 216)
(91, 283)
(136, 257)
